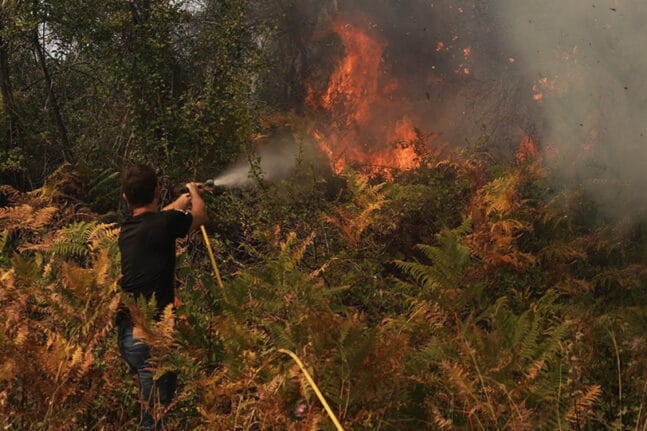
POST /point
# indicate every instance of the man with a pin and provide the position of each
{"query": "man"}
(147, 245)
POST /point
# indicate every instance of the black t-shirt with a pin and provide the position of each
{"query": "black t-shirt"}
(147, 245)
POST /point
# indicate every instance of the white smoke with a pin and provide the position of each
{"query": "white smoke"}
(587, 59)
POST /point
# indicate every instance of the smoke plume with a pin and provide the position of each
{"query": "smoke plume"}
(567, 73)
(587, 61)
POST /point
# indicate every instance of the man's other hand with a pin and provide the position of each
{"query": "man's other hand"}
(182, 202)
(197, 187)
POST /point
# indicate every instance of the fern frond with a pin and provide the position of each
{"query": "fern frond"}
(81, 239)
(43, 216)
(448, 261)
(432, 352)
(583, 404)
(299, 252)
(77, 280)
(499, 195)
(355, 217)
(421, 273)
(459, 378)
(553, 345)
(631, 276)
(25, 217)
(103, 233)
(164, 328)
(529, 338)
(440, 421)
(281, 336)
(561, 252)
(4, 238)
(428, 312)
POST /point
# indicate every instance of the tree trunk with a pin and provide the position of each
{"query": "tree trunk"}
(56, 112)
(5, 80)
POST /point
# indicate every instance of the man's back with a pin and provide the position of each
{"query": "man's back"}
(147, 244)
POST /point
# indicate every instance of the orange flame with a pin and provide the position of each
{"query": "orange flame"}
(354, 85)
(527, 151)
(362, 123)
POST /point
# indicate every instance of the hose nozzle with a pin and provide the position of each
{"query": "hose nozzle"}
(209, 185)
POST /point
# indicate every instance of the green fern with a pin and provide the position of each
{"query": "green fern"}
(102, 179)
(487, 349)
(527, 335)
(72, 241)
(536, 333)
(80, 239)
(448, 261)
(281, 337)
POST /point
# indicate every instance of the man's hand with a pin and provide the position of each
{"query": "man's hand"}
(194, 200)
(185, 200)
(195, 187)
(198, 209)
(182, 202)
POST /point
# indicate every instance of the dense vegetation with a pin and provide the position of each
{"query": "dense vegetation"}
(514, 312)
(105, 82)
(464, 294)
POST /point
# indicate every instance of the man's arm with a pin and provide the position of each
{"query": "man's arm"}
(181, 203)
(194, 200)
(198, 208)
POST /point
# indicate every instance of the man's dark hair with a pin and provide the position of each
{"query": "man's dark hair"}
(138, 182)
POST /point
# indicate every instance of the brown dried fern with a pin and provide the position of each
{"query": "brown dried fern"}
(26, 218)
(354, 218)
(583, 405)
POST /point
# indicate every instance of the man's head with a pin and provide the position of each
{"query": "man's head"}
(139, 185)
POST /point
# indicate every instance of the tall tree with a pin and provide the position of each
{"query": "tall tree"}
(11, 154)
(51, 93)
(5, 78)
(173, 83)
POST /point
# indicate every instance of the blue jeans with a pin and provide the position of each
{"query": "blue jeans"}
(137, 354)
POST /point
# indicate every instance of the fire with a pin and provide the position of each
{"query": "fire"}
(360, 120)
(354, 85)
(527, 151)
(553, 86)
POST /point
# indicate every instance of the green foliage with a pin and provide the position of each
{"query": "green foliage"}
(13, 160)
(79, 240)
(498, 365)
(459, 297)
(449, 259)
(173, 84)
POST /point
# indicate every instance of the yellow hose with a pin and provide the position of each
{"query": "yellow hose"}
(287, 352)
(315, 388)
(213, 259)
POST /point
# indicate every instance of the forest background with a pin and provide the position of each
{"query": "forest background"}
(475, 289)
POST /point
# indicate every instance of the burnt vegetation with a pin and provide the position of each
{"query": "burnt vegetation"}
(469, 292)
